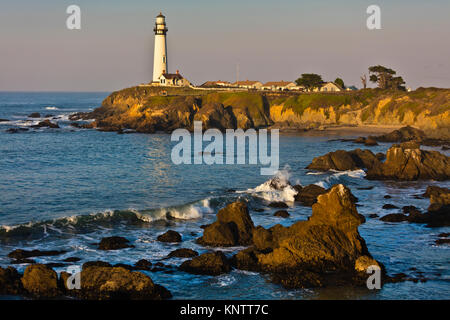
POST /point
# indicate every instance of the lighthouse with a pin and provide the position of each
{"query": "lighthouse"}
(160, 56)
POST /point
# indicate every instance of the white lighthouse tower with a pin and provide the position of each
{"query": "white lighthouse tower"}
(160, 57)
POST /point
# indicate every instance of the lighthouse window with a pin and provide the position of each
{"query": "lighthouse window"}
(164, 59)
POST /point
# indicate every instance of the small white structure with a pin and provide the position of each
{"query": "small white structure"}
(329, 87)
(160, 64)
(248, 84)
(279, 86)
(173, 79)
(215, 84)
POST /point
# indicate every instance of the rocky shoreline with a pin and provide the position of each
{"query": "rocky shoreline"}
(151, 109)
(324, 250)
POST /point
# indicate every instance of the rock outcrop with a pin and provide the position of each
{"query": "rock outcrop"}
(342, 160)
(41, 281)
(211, 263)
(114, 243)
(100, 283)
(317, 252)
(233, 227)
(150, 109)
(308, 195)
(407, 161)
(403, 134)
(170, 236)
(10, 283)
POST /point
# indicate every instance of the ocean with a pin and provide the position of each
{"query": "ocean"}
(66, 188)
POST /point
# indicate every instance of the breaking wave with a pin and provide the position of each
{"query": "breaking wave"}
(277, 188)
(341, 177)
(107, 218)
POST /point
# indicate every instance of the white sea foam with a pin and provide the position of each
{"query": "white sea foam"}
(337, 175)
(51, 108)
(276, 189)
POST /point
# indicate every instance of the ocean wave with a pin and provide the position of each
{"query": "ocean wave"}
(340, 177)
(277, 188)
(105, 219)
(51, 108)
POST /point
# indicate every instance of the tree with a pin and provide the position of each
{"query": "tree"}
(364, 81)
(384, 77)
(309, 81)
(340, 82)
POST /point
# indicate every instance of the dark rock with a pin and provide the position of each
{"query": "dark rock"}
(409, 209)
(23, 261)
(96, 264)
(22, 254)
(233, 227)
(389, 206)
(212, 263)
(370, 141)
(34, 115)
(278, 204)
(4, 120)
(48, 116)
(408, 162)
(183, 253)
(394, 217)
(342, 160)
(445, 148)
(100, 283)
(373, 215)
(442, 241)
(41, 281)
(282, 214)
(402, 135)
(143, 265)
(308, 195)
(387, 196)
(114, 243)
(360, 140)
(170, 236)
(46, 123)
(10, 283)
(72, 259)
(16, 130)
(365, 188)
(258, 210)
(443, 235)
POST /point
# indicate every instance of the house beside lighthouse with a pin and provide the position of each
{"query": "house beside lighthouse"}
(161, 75)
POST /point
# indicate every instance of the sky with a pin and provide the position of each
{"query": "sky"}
(207, 39)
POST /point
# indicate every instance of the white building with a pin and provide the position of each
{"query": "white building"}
(329, 87)
(248, 84)
(160, 65)
(279, 86)
(173, 79)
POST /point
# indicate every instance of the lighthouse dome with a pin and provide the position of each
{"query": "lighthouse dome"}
(160, 19)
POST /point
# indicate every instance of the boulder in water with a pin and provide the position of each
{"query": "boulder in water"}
(41, 281)
(114, 243)
(342, 160)
(170, 236)
(308, 195)
(408, 162)
(233, 227)
(211, 263)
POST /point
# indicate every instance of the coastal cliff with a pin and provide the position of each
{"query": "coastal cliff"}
(150, 109)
